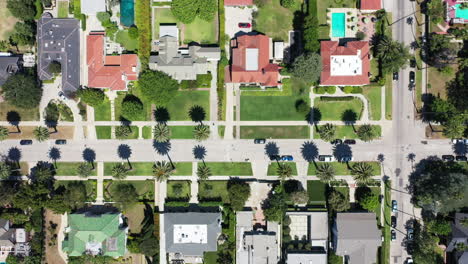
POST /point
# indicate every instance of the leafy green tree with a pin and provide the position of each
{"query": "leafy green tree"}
(24, 9)
(310, 33)
(149, 246)
(238, 193)
(22, 91)
(185, 10)
(132, 108)
(16, 216)
(392, 54)
(426, 249)
(275, 206)
(3, 133)
(5, 171)
(287, 3)
(41, 133)
(207, 9)
(369, 201)
(362, 172)
(43, 172)
(203, 172)
(161, 133)
(119, 171)
(284, 171)
(75, 195)
(338, 202)
(299, 197)
(439, 226)
(455, 127)
(122, 132)
(133, 32)
(125, 195)
(441, 52)
(366, 132)
(91, 96)
(157, 86)
(307, 67)
(23, 34)
(55, 67)
(436, 11)
(103, 16)
(327, 132)
(31, 196)
(201, 132)
(326, 172)
(441, 110)
(4, 46)
(162, 170)
(84, 170)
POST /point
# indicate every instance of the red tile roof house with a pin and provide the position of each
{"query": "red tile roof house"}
(238, 2)
(345, 65)
(104, 71)
(251, 62)
(368, 6)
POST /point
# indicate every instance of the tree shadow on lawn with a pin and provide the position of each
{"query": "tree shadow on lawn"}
(161, 114)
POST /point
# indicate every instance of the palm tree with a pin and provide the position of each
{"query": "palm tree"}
(326, 172)
(5, 171)
(41, 133)
(393, 54)
(161, 133)
(84, 170)
(119, 171)
(327, 132)
(3, 133)
(162, 170)
(122, 132)
(362, 172)
(201, 132)
(203, 172)
(284, 171)
(366, 132)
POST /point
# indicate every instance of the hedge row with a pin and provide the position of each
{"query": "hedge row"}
(143, 23)
(324, 89)
(333, 98)
(352, 89)
(202, 81)
(77, 13)
(222, 63)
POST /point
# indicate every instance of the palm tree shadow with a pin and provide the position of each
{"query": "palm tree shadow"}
(161, 115)
(197, 113)
(314, 116)
(163, 148)
(14, 154)
(199, 153)
(14, 119)
(125, 152)
(272, 150)
(349, 117)
(89, 155)
(310, 151)
(342, 152)
(54, 154)
(459, 149)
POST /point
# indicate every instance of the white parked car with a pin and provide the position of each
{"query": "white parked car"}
(326, 158)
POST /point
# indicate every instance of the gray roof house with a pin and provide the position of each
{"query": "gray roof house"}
(459, 236)
(189, 235)
(356, 237)
(183, 64)
(256, 245)
(92, 7)
(9, 65)
(58, 39)
(12, 240)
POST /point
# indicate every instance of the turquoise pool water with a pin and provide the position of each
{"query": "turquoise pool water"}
(338, 25)
(461, 13)
(127, 12)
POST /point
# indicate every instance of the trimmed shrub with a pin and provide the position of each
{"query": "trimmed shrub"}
(330, 89)
(352, 89)
(319, 90)
(341, 98)
(347, 89)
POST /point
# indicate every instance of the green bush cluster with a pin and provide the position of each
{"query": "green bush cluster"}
(77, 13)
(352, 89)
(202, 81)
(324, 89)
(143, 23)
(311, 29)
(187, 10)
(110, 27)
(333, 98)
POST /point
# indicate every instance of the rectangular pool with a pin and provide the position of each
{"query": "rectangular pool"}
(461, 13)
(127, 12)
(338, 25)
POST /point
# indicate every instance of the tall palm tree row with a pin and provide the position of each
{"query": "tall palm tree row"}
(161, 133)
(326, 172)
(162, 170)
(327, 132)
(41, 133)
(201, 132)
(362, 172)
(284, 171)
(203, 172)
(366, 132)
(119, 171)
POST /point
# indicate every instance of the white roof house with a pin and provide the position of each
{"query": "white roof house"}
(92, 7)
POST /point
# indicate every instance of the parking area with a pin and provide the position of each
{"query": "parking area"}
(236, 15)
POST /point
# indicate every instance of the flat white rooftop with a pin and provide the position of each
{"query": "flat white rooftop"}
(251, 60)
(346, 65)
(184, 234)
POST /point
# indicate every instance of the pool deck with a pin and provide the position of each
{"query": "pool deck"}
(349, 33)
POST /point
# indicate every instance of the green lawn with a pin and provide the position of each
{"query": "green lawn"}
(385, 253)
(62, 9)
(221, 131)
(118, 107)
(25, 114)
(184, 193)
(162, 16)
(342, 168)
(103, 111)
(342, 189)
(70, 169)
(210, 257)
(373, 95)
(145, 189)
(274, 20)
(90, 187)
(103, 132)
(126, 41)
(388, 97)
(146, 168)
(213, 190)
(230, 168)
(281, 108)
(276, 132)
(316, 190)
(134, 134)
(347, 132)
(147, 132)
(180, 105)
(273, 168)
(135, 216)
(333, 110)
(322, 6)
(182, 132)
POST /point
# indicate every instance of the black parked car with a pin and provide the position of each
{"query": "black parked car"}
(395, 76)
(61, 141)
(448, 158)
(461, 158)
(275, 157)
(412, 77)
(337, 142)
(350, 141)
(394, 221)
(413, 63)
(259, 141)
(26, 142)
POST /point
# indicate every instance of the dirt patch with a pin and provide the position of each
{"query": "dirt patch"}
(65, 132)
(6, 20)
(52, 224)
(438, 81)
(135, 216)
(435, 132)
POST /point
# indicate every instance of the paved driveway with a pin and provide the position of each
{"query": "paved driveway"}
(234, 16)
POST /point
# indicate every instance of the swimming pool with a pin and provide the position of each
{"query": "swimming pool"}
(127, 12)
(461, 13)
(338, 25)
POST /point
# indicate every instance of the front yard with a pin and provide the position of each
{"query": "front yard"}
(347, 132)
(373, 95)
(280, 108)
(178, 190)
(22, 114)
(230, 168)
(342, 169)
(180, 105)
(146, 168)
(316, 191)
(213, 190)
(276, 132)
(273, 168)
(334, 110)
(70, 169)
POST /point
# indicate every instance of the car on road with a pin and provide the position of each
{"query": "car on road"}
(244, 25)
(409, 234)
(409, 261)
(461, 158)
(26, 142)
(259, 141)
(393, 235)
(275, 157)
(350, 141)
(458, 140)
(326, 158)
(346, 158)
(60, 141)
(337, 141)
(412, 77)
(409, 248)
(394, 206)
(287, 158)
(394, 221)
(395, 76)
(466, 141)
(413, 63)
(448, 158)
